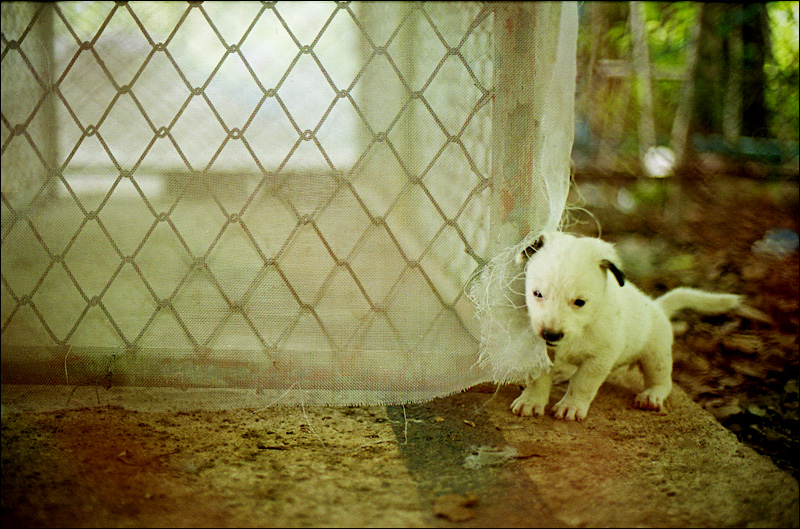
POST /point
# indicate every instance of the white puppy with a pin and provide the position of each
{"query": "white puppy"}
(579, 303)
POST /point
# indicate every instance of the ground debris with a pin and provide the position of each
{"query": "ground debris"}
(456, 507)
(489, 456)
(753, 314)
(527, 449)
(748, 344)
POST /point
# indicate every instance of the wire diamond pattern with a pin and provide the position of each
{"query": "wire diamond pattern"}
(133, 93)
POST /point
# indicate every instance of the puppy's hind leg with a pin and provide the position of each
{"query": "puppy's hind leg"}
(657, 370)
(534, 397)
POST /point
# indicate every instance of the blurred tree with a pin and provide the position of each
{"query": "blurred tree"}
(731, 71)
(679, 137)
(781, 70)
(641, 62)
(604, 95)
(720, 70)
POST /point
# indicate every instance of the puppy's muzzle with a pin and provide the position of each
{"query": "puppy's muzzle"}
(551, 337)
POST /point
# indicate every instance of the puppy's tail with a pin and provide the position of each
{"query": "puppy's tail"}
(698, 300)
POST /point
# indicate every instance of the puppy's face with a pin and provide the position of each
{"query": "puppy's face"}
(566, 283)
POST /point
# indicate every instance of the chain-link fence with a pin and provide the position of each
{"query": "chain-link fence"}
(280, 197)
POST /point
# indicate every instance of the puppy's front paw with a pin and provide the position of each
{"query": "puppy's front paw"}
(570, 410)
(527, 405)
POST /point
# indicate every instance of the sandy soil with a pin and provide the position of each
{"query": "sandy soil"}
(113, 467)
(460, 460)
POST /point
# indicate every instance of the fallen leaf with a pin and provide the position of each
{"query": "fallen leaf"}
(526, 449)
(722, 409)
(125, 457)
(745, 343)
(751, 369)
(734, 380)
(470, 423)
(679, 328)
(755, 271)
(786, 305)
(455, 507)
(753, 314)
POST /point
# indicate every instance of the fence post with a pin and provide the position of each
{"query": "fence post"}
(526, 39)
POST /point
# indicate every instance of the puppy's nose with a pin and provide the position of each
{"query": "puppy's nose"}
(551, 337)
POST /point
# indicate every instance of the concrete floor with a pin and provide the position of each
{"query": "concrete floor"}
(388, 466)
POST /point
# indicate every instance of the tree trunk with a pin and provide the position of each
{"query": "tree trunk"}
(641, 62)
(732, 105)
(679, 141)
(718, 74)
(755, 42)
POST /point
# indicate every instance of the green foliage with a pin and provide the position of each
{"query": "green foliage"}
(669, 28)
(781, 70)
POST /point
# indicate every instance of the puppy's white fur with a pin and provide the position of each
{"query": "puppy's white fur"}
(589, 316)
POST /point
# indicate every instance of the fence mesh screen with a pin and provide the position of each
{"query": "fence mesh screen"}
(280, 200)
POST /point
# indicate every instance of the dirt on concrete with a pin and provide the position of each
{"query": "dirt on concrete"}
(462, 460)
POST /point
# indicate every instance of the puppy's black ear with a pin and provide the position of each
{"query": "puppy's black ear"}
(605, 264)
(529, 250)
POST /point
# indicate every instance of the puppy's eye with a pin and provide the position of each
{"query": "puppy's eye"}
(537, 294)
(579, 302)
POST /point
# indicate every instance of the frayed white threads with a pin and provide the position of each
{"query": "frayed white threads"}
(405, 426)
(303, 407)
(509, 347)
